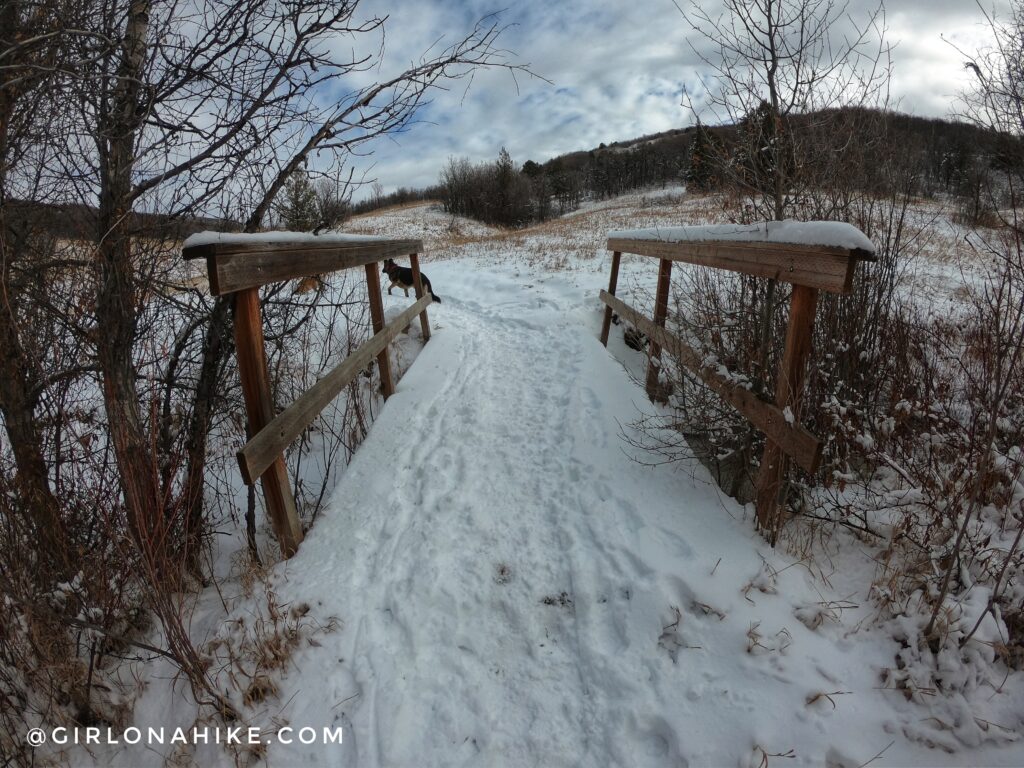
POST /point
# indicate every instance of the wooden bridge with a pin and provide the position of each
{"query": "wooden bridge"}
(240, 264)
(748, 250)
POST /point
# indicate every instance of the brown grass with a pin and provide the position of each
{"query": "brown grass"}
(393, 208)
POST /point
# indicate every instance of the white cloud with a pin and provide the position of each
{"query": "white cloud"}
(617, 71)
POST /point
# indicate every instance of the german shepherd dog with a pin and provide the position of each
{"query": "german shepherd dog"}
(402, 277)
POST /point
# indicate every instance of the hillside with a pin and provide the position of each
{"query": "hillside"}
(77, 221)
(943, 157)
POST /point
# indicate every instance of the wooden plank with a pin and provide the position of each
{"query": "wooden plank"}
(794, 439)
(279, 433)
(828, 268)
(789, 387)
(237, 266)
(377, 319)
(256, 247)
(613, 283)
(654, 391)
(252, 369)
(414, 262)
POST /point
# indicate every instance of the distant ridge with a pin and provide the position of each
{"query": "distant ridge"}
(899, 126)
(76, 221)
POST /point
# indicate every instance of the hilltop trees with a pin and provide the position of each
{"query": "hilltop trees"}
(499, 193)
(495, 193)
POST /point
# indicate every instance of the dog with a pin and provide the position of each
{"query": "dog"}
(402, 277)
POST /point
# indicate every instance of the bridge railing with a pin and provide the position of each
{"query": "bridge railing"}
(757, 250)
(238, 265)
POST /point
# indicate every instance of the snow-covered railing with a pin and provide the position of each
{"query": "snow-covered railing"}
(237, 265)
(812, 256)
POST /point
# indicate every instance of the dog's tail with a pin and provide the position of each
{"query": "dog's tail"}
(435, 297)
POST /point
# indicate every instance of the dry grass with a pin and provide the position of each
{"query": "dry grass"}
(554, 244)
(393, 209)
(253, 649)
(762, 755)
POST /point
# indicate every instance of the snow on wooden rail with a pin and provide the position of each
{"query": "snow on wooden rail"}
(817, 254)
(812, 256)
(238, 261)
(237, 265)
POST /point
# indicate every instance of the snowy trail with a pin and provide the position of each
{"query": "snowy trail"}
(505, 469)
(481, 534)
(508, 580)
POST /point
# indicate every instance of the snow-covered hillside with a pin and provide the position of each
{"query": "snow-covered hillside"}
(501, 579)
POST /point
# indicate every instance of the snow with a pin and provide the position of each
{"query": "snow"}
(515, 590)
(512, 588)
(241, 238)
(834, 234)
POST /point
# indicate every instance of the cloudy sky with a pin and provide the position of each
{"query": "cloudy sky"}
(618, 69)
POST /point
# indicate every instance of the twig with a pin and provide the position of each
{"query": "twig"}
(878, 755)
(119, 638)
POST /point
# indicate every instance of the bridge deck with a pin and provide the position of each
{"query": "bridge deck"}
(508, 579)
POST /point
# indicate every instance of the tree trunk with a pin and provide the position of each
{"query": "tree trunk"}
(117, 298)
(216, 349)
(37, 504)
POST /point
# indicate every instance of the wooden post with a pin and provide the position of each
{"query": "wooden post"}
(654, 391)
(252, 369)
(613, 282)
(377, 318)
(789, 387)
(414, 262)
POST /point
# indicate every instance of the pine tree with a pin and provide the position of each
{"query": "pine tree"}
(511, 193)
(299, 210)
(702, 166)
(504, 173)
(531, 169)
(765, 161)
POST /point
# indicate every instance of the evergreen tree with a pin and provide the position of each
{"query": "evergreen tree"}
(704, 156)
(504, 176)
(531, 169)
(765, 158)
(299, 212)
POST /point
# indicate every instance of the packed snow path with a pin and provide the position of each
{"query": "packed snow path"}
(514, 590)
(485, 526)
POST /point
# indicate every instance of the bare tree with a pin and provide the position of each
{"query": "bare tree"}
(36, 62)
(790, 80)
(179, 118)
(773, 60)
